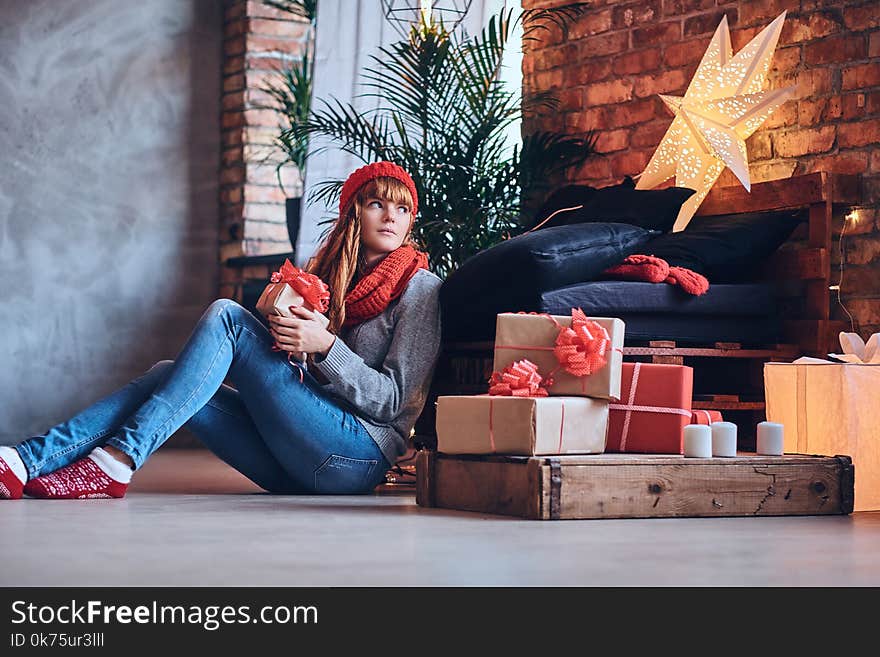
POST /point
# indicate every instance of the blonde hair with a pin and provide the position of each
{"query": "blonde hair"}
(338, 261)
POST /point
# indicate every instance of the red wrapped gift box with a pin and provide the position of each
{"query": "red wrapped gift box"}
(654, 408)
(706, 417)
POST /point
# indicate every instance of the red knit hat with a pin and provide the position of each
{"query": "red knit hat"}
(372, 171)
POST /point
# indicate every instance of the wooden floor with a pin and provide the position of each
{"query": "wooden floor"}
(190, 520)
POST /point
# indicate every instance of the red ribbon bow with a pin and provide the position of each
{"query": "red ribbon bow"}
(581, 348)
(311, 288)
(520, 379)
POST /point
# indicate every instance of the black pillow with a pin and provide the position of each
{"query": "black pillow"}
(512, 275)
(652, 209)
(726, 248)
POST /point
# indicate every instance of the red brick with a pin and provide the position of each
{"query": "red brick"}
(640, 61)
(288, 29)
(740, 37)
(231, 175)
(603, 44)
(784, 61)
(632, 113)
(708, 22)
(822, 110)
(648, 135)
(231, 137)
(874, 165)
(606, 93)
(585, 120)
(263, 194)
(836, 49)
(858, 105)
(635, 14)
(803, 142)
(764, 171)
(570, 98)
(661, 83)
(874, 45)
(866, 312)
(260, 135)
(546, 80)
(861, 133)
(232, 65)
(654, 35)
(871, 189)
(843, 162)
(610, 141)
(592, 70)
(234, 9)
(264, 61)
(759, 147)
(629, 163)
(758, 11)
(256, 44)
(257, 9)
(232, 157)
(589, 24)
(235, 46)
(688, 52)
(262, 117)
(231, 195)
(784, 115)
(808, 84)
(234, 28)
(232, 102)
(862, 18)
(231, 119)
(595, 167)
(803, 28)
(233, 82)
(680, 7)
(861, 76)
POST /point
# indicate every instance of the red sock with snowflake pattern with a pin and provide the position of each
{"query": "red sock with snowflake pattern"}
(97, 476)
(12, 474)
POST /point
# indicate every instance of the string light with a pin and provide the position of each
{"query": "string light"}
(852, 217)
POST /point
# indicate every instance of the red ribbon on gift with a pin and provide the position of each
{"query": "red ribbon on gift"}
(519, 379)
(580, 349)
(308, 286)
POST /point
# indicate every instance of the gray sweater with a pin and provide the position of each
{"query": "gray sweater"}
(381, 369)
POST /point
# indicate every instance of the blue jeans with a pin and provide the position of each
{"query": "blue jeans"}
(285, 435)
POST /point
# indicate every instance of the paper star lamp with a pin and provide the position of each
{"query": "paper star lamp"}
(723, 105)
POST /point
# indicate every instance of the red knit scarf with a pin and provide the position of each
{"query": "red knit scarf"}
(372, 294)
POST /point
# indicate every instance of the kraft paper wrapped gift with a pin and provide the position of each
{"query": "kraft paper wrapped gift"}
(535, 336)
(491, 424)
(654, 409)
(291, 286)
(829, 409)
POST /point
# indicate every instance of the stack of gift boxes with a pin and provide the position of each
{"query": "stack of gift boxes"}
(560, 386)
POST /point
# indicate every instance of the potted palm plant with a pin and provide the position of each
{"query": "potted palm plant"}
(444, 116)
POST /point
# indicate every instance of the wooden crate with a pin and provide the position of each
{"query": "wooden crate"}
(636, 485)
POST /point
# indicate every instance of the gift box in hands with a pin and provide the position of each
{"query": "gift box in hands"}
(291, 287)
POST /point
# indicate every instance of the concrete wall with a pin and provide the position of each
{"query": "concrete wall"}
(109, 152)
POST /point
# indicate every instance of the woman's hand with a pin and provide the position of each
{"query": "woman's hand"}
(304, 332)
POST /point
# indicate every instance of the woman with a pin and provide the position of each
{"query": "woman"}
(335, 429)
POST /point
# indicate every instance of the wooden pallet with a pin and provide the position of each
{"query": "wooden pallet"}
(636, 485)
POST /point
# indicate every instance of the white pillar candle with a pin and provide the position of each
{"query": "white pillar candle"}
(723, 439)
(770, 438)
(698, 441)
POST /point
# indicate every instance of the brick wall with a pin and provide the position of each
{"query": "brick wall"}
(620, 55)
(258, 41)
